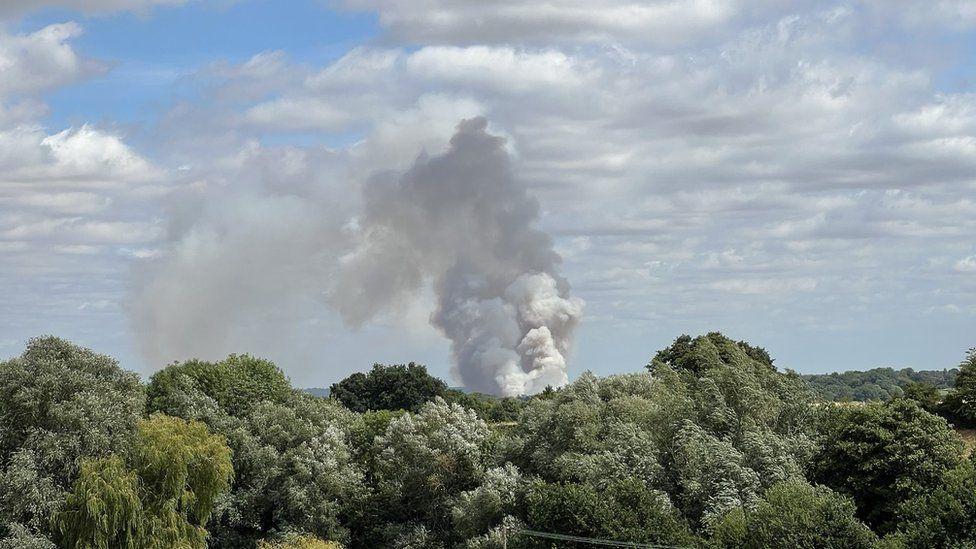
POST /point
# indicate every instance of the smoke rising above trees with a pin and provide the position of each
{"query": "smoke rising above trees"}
(460, 223)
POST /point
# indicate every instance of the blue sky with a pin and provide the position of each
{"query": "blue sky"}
(193, 177)
(152, 54)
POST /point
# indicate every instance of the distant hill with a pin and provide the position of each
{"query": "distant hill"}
(318, 391)
(876, 384)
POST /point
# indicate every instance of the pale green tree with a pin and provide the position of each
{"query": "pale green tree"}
(161, 499)
(59, 404)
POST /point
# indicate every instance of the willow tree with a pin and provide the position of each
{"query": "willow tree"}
(160, 498)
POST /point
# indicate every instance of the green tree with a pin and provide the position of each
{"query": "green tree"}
(162, 499)
(883, 454)
(424, 462)
(943, 517)
(626, 510)
(876, 384)
(298, 541)
(104, 511)
(292, 452)
(795, 514)
(711, 427)
(925, 394)
(488, 407)
(961, 401)
(59, 404)
(236, 383)
(397, 387)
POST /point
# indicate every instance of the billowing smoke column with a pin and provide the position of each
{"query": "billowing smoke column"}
(244, 268)
(463, 221)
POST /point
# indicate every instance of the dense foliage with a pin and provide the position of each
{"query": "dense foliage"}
(162, 499)
(59, 405)
(960, 403)
(396, 387)
(878, 383)
(711, 446)
(884, 454)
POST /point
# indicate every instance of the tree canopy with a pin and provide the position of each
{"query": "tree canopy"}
(884, 454)
(961, 401)
(710, 446)
(396, 387)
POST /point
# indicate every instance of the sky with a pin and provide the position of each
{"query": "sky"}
(179, 178)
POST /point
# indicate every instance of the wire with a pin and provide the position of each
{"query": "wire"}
(595, 541)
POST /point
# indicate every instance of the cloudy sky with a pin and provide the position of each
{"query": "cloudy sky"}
(176, 175)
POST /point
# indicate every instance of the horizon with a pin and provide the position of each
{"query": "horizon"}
(196, 178)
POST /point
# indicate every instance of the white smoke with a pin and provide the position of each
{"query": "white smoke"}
(460, 223)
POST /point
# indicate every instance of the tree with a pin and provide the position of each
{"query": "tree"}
(883, 454)
(627, 510)
(59, 404)
(711, 427)
(925, 394)
(876, 384)
(397, 387)
(943, 517)
(424, 461)
(298, 541)
(961, 401)
(488, 407)
(296, 467)
(161, 499)
(795, 514)
(104, 511)
(236, 383)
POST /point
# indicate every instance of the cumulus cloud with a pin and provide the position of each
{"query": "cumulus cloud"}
(71, 199)
(42, 60)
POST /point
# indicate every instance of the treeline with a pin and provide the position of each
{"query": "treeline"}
(712, 446)
(878, 383)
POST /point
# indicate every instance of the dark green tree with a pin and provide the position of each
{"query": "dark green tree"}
(961, 401)
(884, 454)
(944, 517)
(925, 394)
(876, 384)
(396, 387)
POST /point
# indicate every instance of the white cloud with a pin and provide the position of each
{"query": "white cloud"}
(42, 60)
(506, 69)
(304, 113)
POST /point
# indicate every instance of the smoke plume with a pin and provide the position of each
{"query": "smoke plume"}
(463, 221)
(459, 223)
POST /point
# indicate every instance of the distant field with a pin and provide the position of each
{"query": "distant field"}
(969, 435)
